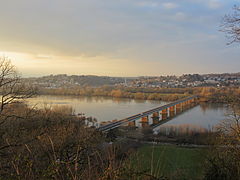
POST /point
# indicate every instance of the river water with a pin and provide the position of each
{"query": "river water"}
(106, 109)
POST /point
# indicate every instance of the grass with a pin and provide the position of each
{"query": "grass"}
(170, 161)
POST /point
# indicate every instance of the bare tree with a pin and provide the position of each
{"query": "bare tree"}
(231, 25)
(231, 126)
(12, 89)
(223, 160)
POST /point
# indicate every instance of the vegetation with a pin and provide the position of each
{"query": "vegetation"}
(43, 143)
(206, 94)
(53, 143)
(181, 135)
(170, 161)
(72, 80)
(12, 89)
(217, 95)
(224, 159)
(121, 92)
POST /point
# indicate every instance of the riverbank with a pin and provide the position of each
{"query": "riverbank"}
(121, 92)
(206, 94)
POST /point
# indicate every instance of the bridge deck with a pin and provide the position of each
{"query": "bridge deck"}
(116, 124)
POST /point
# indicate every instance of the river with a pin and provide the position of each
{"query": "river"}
(105, 109)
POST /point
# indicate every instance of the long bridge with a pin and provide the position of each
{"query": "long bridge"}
(165, 111)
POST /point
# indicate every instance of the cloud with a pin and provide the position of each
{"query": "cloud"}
(170, 5)
(214, 4)
(150, 4)
(155, 4)
(44, 56)
(134, 30)
(180, 16)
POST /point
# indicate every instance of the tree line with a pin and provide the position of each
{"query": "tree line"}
(206, 94)
(119, 92)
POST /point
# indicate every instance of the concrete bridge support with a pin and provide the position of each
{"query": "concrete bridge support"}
(195, 99)
(172, 111)
(155, 117)
(192, 101)
(178, 108)
(145, 121)
(185, 105)
(132, 123)
(182, 106)
(164, 114)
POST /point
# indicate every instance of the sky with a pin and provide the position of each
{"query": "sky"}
(117, 37)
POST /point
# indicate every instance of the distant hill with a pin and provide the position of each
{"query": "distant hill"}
(186, 80)
(63, 79)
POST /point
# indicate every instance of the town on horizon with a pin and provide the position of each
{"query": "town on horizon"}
(185, 80)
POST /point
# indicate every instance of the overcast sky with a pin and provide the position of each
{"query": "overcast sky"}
(117, 37)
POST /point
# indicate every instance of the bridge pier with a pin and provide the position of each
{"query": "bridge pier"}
(145, 121)
(192, 102)
(132, 123)
(172, 111)
(185, 105)
(155, 117)
(195, 99)
(178, 108)
(164, 114)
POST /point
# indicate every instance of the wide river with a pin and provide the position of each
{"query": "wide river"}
(105, 109)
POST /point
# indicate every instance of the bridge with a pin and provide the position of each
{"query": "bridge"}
(159, 114)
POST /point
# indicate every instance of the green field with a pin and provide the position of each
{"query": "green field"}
(170, 161)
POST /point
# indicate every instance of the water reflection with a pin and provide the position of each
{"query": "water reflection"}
(183, 129)
(203, 117)
(105, 109)
(212, 106)
(102, 108)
